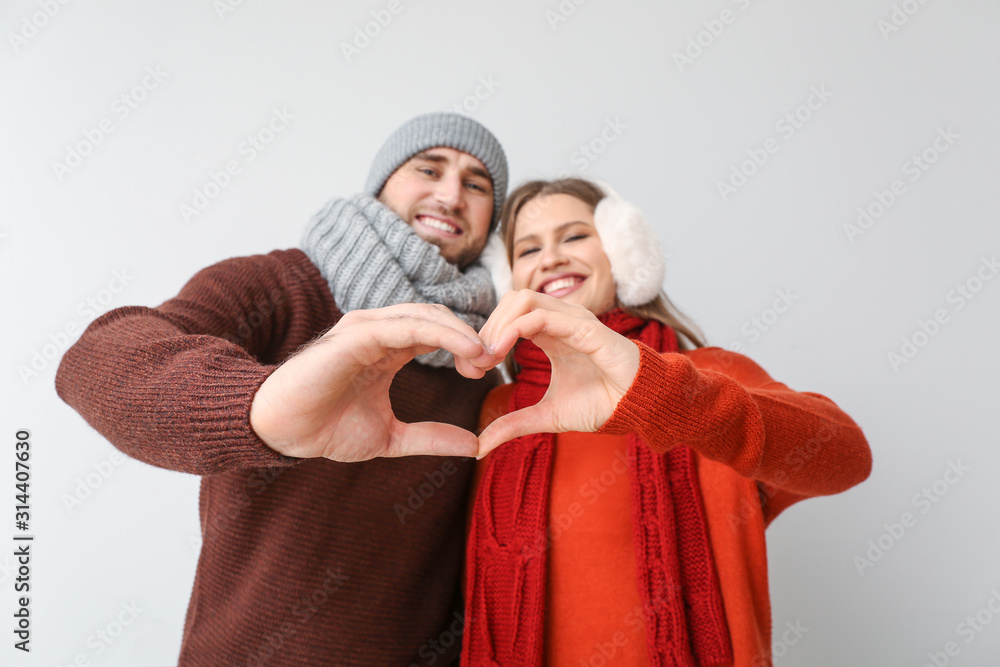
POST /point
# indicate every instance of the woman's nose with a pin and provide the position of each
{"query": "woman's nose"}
(552, 256)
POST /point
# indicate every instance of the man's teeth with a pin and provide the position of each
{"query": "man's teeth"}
(434, 223)
(562, 283)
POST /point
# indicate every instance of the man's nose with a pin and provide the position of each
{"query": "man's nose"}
(448, 191)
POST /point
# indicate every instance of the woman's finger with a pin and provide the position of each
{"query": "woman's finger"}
(507, 308)
(586, 335)
(538, 418)
(515, 304)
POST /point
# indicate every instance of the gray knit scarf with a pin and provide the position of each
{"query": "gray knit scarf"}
(371, 258)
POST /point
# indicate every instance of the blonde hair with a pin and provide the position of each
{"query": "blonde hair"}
(660, 308)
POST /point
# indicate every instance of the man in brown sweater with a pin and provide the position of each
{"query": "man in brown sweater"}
(329, 537)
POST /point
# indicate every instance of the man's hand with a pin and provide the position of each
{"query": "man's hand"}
(332, 398)
(592, 366)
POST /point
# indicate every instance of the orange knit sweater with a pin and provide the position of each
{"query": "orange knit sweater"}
(760, 447)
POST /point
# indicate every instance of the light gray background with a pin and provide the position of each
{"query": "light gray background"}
(553, 87)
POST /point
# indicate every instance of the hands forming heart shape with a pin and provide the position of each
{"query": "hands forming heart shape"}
(313, 404)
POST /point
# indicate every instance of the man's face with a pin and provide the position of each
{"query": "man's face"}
(446, 196)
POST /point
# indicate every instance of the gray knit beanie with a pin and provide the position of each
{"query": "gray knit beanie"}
(442, 128)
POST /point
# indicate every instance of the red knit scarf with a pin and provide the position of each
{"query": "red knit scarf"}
(678, 584)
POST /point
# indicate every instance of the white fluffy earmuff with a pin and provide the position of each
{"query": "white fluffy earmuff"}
(632, 247)
(494, 258)
(630, 242)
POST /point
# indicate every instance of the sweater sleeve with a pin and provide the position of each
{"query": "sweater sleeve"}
(172, 385)
(728, 409)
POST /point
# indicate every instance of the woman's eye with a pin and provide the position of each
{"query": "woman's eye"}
(527, 251)
(577, 237)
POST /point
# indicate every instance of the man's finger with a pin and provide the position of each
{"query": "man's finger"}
(374, 338)
(431, 438)
(533, 419)
(470, 370)
(420, 311)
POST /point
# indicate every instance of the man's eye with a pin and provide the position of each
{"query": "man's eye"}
(427, 170)
(476, 186)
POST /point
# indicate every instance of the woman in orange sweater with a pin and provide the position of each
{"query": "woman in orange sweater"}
(620, 519)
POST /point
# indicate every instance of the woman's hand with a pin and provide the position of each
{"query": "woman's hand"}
(592, 366)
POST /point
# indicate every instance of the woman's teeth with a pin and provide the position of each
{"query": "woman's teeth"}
(562, 283)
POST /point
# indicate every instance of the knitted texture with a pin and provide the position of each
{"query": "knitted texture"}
(810, 445)
(371, 258)
(506, 560)
(303, 562)
(448, 129)
(690, 400)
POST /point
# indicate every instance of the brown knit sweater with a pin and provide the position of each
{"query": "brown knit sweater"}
(303, 561)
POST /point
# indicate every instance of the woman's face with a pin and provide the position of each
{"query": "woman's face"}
(557, 252)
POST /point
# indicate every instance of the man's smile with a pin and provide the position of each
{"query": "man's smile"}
(439, 224)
